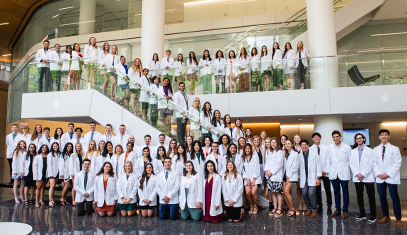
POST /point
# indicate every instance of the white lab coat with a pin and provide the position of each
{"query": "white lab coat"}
(64, 167)
(112, 60)
(244, 64)
(237, 133)
(206, 121)
(156, 89)
(180, 68)
(323, 149)
(120, 163)
(364, 167)
(127, 188)
(167, 62)
(275, 165)
(198, 165)
(232, 189)
(277, 59)
(219, 66)
(338, 166)
(255, 63)
(74, 164)
(44, 141)
(144, 97)
(66, 139)
(76, 65)
(53, 164)
(96, 136)
(121, 74)
(91, 54)
(114, 161)
(82, 142)
(289, 62)
(199, 115)
(148, 192)
(154, 68)
(314, 169)
(192, 67)
(204, 70)
(219, 128)
(103, 59)
(291, 166)
(163, 105)
(16, 168)
(42, 55)
(12, 144)
(134, 78)
(25, 164)
(265, 63)
(27, 139)
(178, 165)
(37, 167)
(218, 163)
(110, 196)
(232, 67)
(182, 101)
(169, 187)
(194, 193)
(304, 59)
(66, 65)
(79, 186)
(238, 164)
(251, 170)
(55, 59)
(105, 137)
(122, 140)
(216, 195)
(390, 165)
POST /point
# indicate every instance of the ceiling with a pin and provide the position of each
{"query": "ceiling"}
(15, 13)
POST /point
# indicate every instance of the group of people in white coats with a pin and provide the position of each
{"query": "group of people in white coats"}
(202, 178)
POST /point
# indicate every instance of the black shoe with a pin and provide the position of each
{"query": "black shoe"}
(329, 211)
(319, 209)
(271, 206)
(361, 217)
(372, 219)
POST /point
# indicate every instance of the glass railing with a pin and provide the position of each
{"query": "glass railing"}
(137, 97)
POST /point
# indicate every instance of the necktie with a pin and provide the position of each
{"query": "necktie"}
(86, 179)
(319, 150)
(168, 59)
(108, 137)
(384, 150)
(121, 138)
(14, 136)
(166, 175)
(185, 97)
(70, 135)
(91, 136)
(77, 140)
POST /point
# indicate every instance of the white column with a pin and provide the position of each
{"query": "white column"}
(322, 43)
(87, 16)
(152, 29)
(325, 124)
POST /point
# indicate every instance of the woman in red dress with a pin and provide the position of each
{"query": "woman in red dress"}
(105, 190)
(212, 206)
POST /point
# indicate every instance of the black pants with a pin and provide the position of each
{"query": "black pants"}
(10, 160)
(44, 72)
(233, 213)
(370, 193)
(300, 71)
(85, 207)
(327, 186)
(181, 126)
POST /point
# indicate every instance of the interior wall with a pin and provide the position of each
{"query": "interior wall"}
(3, 117)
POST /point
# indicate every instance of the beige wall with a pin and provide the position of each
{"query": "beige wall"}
(3, 117)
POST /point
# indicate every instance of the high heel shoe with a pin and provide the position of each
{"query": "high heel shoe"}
(17, 201)
(21, 199)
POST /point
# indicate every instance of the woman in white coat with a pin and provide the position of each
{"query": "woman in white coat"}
(127, 185)
(217, 122)
(76, 67)
(274, 169)
(99, 160)
(198, 158)
(103, 54)
(66, 66)
(91, 56)
(144, 96)
(232, 68)
(195, 110)
(105, 191)
(180, 69)
(113, 59)
(64, 171)
(91, 153)
(289, 61)
(129, 155)
(75, 166)
(233, 156)
(244, 68)
(16, 170)
(232, 190)
(265, 67)
(291, 165)
(219, 67)
(153, 100)
(53, 170)
(190, 194)
(251, 176)
(238, 130)
(212, 191)
(255, 69)
(26, 170)
(205, 72)
(302, 62)
(154, 67)
(216, 156)
(147, 192)
(40, 174)
(179, 160)
(118, 152)
(141, 162)
(37, 136)
(192, 72)
(276, 57)
(166, 112)
(135, 73)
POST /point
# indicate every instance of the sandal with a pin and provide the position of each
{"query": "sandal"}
(63, 203)
(255, 210)
(50, 204)
(271, 213)
(251, 210)
(277, 214)
(26, 203)
(291, 215)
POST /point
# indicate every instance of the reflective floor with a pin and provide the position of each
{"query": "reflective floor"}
(64, 220)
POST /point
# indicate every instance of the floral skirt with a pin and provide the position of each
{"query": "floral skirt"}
(275, 187)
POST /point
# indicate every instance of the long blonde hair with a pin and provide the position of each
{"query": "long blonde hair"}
(99, 152)
(139, 68)
(93, 150)
(81, 152)
(108, 49)
(117, 50)
(90, 44)
(300, 48)
(193, 103)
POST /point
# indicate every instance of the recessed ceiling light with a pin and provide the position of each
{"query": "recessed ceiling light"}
(4, 23)
(66, 8)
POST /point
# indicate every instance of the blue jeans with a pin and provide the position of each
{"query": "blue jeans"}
(163, 209)
(382, 190)
(310, 197)
(337, 184)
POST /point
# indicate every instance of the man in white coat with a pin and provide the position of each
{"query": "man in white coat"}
(108, 136)
(93, 134)
(12, 140)
(167, 186)
(147, 143)
(161, 141)
(166, 64)
(310, 171)
(42, 57)
(337, 166)
(320, 150)
(361, 164)
(46, 139)
(181, 99)
(83, 185)
(55, 66)
(386, 168)
(122, 138)
(68, 137)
